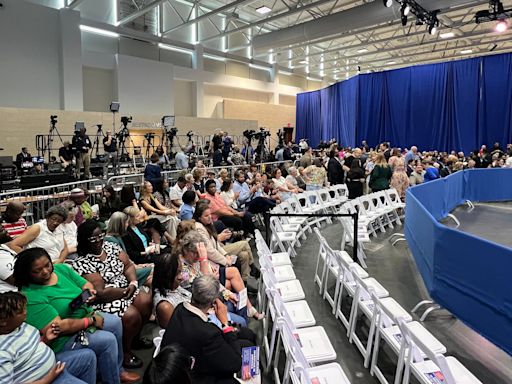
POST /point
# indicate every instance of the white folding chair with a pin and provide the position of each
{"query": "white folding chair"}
(286, 207)
(364, 302)
(281, 272)
(314, 204)
(347, 285)
(394, 198)
(313, 342)
(279, 239)
(382, 203)
(428, 365)
(276, 258)
(326, 200)
(326, 262)
(296, 207)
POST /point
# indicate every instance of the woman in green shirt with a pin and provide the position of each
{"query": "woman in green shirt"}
(381, 174)
(49, 290)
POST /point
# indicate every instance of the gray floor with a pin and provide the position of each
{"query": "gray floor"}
(491, 221)
(394, 268)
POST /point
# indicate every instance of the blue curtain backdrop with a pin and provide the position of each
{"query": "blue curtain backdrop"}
(449, 106)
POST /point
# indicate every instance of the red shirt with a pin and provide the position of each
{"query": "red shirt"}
(216, 203)
(15, 229)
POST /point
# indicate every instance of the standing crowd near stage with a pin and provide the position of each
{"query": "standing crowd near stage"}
(77, 288)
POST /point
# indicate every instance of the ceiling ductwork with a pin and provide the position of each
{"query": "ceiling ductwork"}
(343, 22)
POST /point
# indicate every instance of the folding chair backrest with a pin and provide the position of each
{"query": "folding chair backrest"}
(322, 251)
(269, 279)
(294, 202)
(385, 316)
(292, 344)
(362, 289)
(394, 197)
(380, 199)
(417, 345)
(258, 235)
(275, 224)
(324, 196)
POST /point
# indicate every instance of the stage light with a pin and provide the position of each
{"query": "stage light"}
(263, 10)
(388, 3)
(404, 20)
(405, 9)
(501, 26)
(432, 26)
(466, 51)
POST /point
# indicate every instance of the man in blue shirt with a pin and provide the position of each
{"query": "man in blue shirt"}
(187, 209)
(181, 159)
(251, 196)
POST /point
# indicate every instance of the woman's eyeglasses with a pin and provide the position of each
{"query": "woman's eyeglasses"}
(96, 239)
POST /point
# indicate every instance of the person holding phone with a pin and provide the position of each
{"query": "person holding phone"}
(109, 269)
(49, 290)
(218, 252)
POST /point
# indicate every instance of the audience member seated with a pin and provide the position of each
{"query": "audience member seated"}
(168, 292)
(199, 175)
(137, 242)
(284, 189)
(195, 263)
(25, 357)
(216, 352)
(176, 192)
(187, 209)
(109, 204)
(431, 172)
(68, 228)
(251, 197)
(128, 197)
(171, 365)
(219, 253)
(315, 175)
(229, 216)
(154, 208)
(84, 212)
(12, 219)
(417, 176)
(227, 194)
(162, 193)
(153, 172)
(107, 267)
(116, 229)
(44, 235)
(223, 175)
(7, 257)
(49, 290)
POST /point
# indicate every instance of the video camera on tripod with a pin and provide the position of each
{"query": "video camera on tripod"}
(190, 134)
(125, 120)
(53, 120)
(249, 134)
(262, 134)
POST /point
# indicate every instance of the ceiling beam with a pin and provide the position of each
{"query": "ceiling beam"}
(140, 12)
(75, 3)
(208, 14)
(269, 19)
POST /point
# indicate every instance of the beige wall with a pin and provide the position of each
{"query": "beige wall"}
(19, 127)
(183, 99)
(214, 95)
(270, 116)
(98, 89)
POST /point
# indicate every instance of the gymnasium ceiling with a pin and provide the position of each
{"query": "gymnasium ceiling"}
(330, 39)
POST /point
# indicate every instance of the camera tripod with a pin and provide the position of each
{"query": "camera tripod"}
(262, 153)
(168, 141)
(122, 152)
(149, 138)
(48, 146)
(247, 150)
(96, 145)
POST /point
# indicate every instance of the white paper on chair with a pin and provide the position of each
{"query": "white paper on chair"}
(242, 299)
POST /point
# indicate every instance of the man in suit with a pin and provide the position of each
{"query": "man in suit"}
(216, 352)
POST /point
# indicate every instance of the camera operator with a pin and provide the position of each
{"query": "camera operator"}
(110, 147)
(181, 159)
(83, 146)
(226, 149)
(217, 140)
(24, 159)
(66, 156)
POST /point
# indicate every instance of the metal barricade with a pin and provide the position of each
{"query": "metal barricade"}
(38, 200)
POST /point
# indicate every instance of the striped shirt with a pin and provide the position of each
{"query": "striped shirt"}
(15, 229)
(23, 357)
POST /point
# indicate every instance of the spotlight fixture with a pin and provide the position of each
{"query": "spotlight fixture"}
(388, 3)
(433, 24)
(404, 20)
(406, 9)
(501, 26)
(447, 35)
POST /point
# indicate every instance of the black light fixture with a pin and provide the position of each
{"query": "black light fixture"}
(433, 23)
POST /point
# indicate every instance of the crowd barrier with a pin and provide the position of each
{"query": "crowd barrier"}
(38, 200)
(467, 275)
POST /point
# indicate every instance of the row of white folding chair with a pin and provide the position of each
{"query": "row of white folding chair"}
(427, 364)
(313, 340)
(280, 239)
(339, 193)
(300, 370)
(387, 314)
(371, 219)
(348, 238)
(291, 223)
(329, 265)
